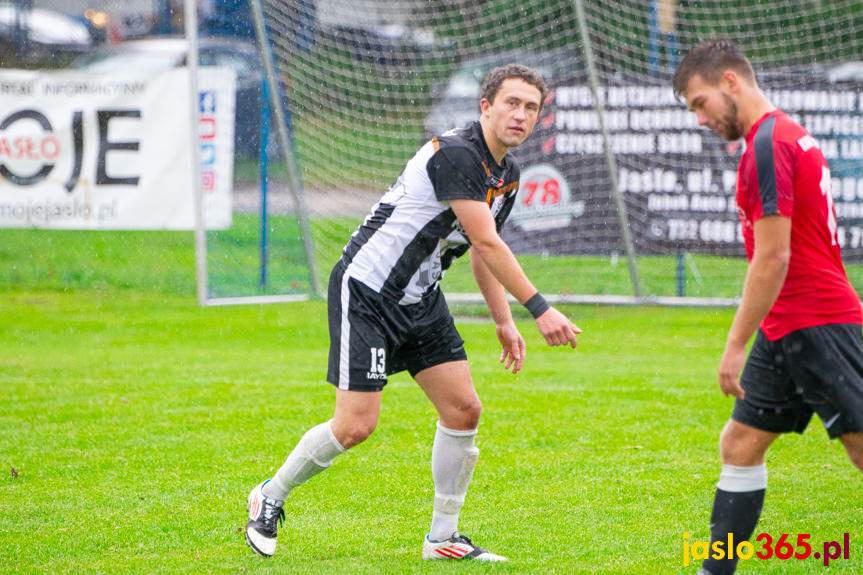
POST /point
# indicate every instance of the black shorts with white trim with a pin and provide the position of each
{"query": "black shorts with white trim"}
(373, 336)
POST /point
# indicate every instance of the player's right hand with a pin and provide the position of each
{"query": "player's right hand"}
(512, 346)
(557, 329)
(730, 367)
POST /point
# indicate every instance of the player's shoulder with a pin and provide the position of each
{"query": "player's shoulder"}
(464, 140)
(460, 147)
(786, 129)
(777, 133)
(462, 135)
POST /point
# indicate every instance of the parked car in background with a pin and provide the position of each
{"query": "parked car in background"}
(457, 101)
(163, 53)
(384, 44)
(846, 72)
(39, 37)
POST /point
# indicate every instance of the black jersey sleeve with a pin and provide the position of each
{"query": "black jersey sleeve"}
(457, 173)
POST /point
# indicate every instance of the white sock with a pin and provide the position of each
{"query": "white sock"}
(738, 479)
(453, 459)
(315, 452)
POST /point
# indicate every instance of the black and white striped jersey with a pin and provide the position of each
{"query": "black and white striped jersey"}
(412, 236)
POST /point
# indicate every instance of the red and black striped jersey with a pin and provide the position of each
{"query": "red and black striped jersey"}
(784, 172)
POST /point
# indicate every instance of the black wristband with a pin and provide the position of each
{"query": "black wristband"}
(536, 305)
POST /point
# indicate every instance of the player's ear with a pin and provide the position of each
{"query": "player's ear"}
(484, 105)
(730, 81)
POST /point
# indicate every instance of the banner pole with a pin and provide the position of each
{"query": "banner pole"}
(264, 168)
(278, 112)
(190, 18)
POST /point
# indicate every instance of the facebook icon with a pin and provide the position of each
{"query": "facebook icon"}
(207, 102)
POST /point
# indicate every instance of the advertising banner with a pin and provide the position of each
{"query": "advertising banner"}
(85, 151)
(678, 179)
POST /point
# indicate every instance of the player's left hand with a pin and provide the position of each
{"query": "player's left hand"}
(557, 329)
(512, 344)
(730, 367)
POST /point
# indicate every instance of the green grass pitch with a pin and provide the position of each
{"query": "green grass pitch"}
(136, 423)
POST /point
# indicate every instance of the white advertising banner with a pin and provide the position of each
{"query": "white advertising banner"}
(85, 151)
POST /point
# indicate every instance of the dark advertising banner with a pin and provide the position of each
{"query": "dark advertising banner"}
(678, 180)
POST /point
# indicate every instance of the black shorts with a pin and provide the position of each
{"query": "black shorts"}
(816, 369)
(372, 336)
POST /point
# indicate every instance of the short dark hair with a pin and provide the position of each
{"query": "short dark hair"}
(710, 59)
(493, 80)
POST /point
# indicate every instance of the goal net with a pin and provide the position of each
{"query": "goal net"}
(368, 81)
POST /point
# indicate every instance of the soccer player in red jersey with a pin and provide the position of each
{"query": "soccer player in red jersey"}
(808, 352)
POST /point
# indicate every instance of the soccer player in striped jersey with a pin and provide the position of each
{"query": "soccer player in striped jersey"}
(808, 354)
(387, 313)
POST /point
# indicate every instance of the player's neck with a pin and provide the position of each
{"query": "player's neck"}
(754, 108)
(497, 148)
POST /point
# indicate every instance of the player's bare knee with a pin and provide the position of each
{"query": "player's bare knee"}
(354, 432)
(739, 446)
(463, 414)
(727, 443)
(732, 449)
(469, 413)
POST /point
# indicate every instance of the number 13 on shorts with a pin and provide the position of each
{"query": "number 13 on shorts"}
(379, 360)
